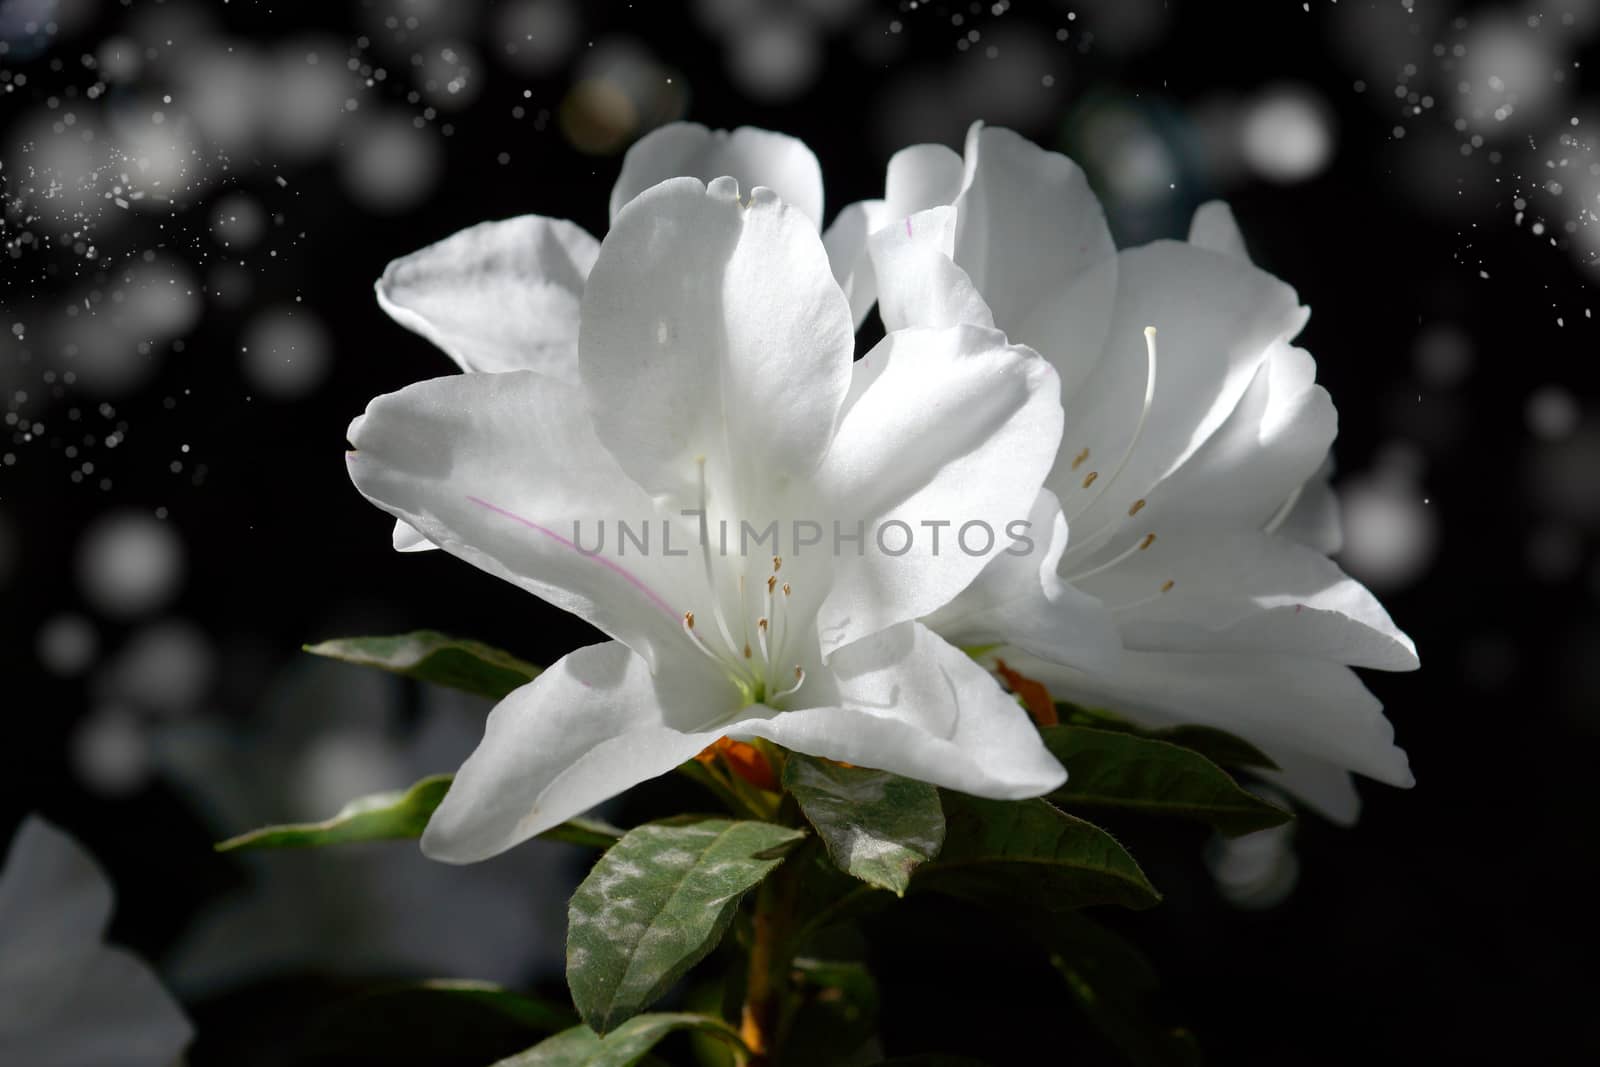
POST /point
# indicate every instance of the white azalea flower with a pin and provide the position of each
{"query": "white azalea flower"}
(715, 375)
(1193, 518)
(504, 295)
(67, 999)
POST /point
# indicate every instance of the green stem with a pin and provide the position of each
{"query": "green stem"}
(772, 946)
(725, 792)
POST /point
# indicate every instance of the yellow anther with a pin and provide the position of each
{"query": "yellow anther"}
(1168, 584)
(1149, 539)
(1138, 506)
(1078, 461)
(1087, 482)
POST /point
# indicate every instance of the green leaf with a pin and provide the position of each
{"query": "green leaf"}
(1219, 746)
(532, 1013)
(997, 852)
(429, 656)
(624, 1046)
(378, 817)
(877, 826)
(421, 1024)
(656, 903)
(590, 833)
(397, 815)
(1108, 769)
(1116, 988)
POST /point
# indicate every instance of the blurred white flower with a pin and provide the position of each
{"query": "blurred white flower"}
(67, 999)
(715, 381)
(1256, 871)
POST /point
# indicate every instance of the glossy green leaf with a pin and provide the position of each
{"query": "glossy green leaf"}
(1219, 746)
(999, 852)
(378, 817)
(1116, 987)
(1111, 770)
(877, 826)
(656, 903)
(623, 1047)
(429, 656)
(395, 816)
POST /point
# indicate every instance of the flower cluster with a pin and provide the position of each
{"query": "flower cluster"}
(1141, 414)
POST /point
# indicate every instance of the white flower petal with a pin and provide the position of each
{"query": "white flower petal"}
(1313, 518)
(120, 1014)
(1240, 478)
(497, 296)
(714, 329)
(941, 426)
(752, 156)
(1244, 592)
(845, 240)
(54, 907)
(1216, 317)
(919, 177)
(1324, 787)
(1215, 229)
(918, 283)
(1034, 241)
(586, 729)
(407, 539)
(918, 707)
(1282, 704)
(497, 469)
(1020, 600)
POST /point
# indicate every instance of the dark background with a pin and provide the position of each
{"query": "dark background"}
(1447, 253)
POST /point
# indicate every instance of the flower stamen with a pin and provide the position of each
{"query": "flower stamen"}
(1138, 430)
(738, 658)
(1138, 546)
(1166, 587)
(799, 680)
(705, 557)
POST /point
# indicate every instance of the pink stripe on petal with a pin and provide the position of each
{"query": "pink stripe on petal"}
(611, 565)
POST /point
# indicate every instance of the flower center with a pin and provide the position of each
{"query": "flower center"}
(754, 659)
